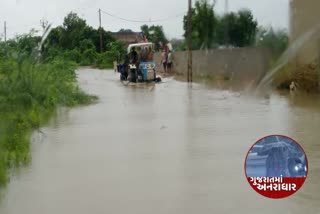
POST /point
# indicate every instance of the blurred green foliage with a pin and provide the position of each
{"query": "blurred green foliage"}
(76, 41)
(31, 88)
(276, 40)
(237, 29)
(233, 29)
(155, 34)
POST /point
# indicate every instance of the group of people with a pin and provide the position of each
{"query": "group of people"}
(145, 55)
(134, 57)
(166, 60)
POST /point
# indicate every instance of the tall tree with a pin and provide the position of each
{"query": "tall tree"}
(54, 37)
(73, 33)
(203, 24)
(145, 30)
(94, 35)
(122, 30)
(154, 34)
(247, 28)
(237, 29)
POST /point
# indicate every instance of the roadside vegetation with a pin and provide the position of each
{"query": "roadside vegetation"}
(31, 88)
(305, 77)
(76, 41)
(35, 80)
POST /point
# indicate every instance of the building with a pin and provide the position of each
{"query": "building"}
(304, 18)
(129, 37)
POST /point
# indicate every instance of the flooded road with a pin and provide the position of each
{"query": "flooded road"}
(161, 149)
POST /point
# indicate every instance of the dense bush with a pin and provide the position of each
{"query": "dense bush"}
(30, 91)
(76, 41)
(33, 85)
(73, 55)
(306, 77)
(103, 61)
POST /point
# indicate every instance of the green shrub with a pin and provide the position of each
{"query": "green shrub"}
(104, 61)
(73, 55)
(86, 44)
(29, 93)
(89, 57)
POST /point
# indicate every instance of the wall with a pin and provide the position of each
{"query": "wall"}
(236, 64)
(304, 17)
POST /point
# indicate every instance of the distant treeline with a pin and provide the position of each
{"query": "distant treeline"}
(234, 29)
(79, 42)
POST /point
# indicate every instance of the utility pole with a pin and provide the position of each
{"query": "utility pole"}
(189, 41)
(5, 31)
(100, 30)
(226, 7)
(226, 30)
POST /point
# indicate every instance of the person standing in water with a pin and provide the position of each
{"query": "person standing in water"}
(150, 54)
(164, 60)
(169, 61)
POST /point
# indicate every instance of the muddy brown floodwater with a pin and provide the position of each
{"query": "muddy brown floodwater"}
(161, 149)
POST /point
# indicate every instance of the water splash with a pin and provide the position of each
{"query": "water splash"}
(37, 50)
(44, 36)
(287, 56)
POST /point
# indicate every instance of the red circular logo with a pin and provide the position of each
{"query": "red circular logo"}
(276, 166)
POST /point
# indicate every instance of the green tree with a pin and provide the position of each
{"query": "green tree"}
(122, 30)
(86, 44)
(154, 34)
(116, 50)
(145, 30)
(54, 37)
(27, 43)
(88, 51)
(77, 41)
(203, 24)
(247, 28)
(236, 29)
(178, 44)
(73, 31)
(94, 35)
(24, 45)
(194, 34)
(74, 55)
(276, 40)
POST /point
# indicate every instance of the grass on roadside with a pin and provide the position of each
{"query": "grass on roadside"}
(29, 94)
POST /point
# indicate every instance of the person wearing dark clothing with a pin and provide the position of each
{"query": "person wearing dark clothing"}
(169, 61)
(276, 163)
(133, 56)
(125, 68)
(119, 63)
(164, 60)
(133, 59)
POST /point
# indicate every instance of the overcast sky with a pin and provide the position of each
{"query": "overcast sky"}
(22, 15)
